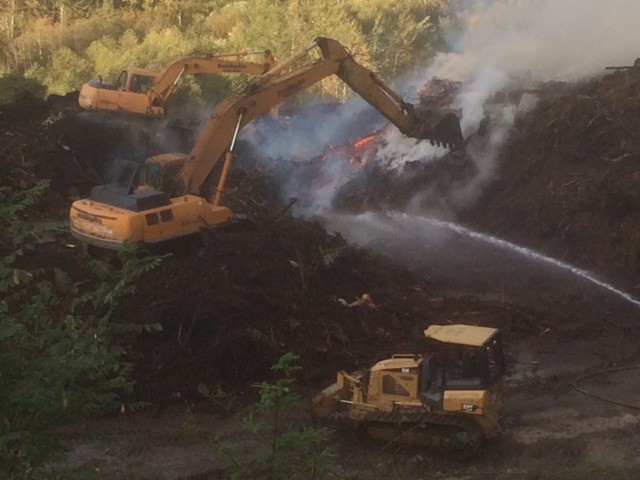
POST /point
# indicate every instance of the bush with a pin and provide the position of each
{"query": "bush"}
(59, 355)
(294, 452)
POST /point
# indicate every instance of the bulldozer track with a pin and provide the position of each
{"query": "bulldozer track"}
(450, 433)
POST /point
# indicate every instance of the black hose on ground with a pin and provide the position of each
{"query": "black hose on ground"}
(577, 381)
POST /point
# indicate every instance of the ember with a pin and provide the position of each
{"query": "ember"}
(361, 152)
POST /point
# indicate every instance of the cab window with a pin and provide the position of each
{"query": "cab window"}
(141, 83)
(465, 368)
(390, 386)
(121, 82)
(152, 218)
(496, 360)
(153, 175)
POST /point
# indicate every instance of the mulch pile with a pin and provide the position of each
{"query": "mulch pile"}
(232, 301)
(568, 182)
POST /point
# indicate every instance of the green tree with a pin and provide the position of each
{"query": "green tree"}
(401, 33)
(63, 43)
(59, 352)
(66, 72)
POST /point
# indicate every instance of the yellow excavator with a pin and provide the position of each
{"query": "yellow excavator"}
(145, 92)
(448, 398)
(166, 200)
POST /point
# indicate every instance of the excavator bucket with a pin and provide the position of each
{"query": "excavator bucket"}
(444, 131)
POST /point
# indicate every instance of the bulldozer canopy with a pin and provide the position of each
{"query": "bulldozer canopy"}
(460, 334)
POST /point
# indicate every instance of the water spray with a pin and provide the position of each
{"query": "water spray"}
(387, 226)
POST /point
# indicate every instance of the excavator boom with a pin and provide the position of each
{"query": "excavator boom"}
(168, 202)
(277, 86)
(168, 78)
(146, 92)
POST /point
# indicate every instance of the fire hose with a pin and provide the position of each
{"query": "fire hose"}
(581, 378)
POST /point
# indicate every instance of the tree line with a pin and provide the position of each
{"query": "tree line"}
(63, 43)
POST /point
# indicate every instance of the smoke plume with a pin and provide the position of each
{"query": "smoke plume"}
(498, 47)
(566, 40)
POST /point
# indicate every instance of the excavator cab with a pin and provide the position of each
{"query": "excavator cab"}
(128, 92)
(140, 81)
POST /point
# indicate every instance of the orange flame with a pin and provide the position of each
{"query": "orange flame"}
(364, 141)
(356, 153)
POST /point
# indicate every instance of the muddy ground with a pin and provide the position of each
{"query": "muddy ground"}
(233, 302)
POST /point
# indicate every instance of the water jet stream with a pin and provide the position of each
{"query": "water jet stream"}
(394, 217)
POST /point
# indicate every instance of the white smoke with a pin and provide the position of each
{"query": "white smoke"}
(312, 129)
(510, 45)
(398, 149)
(499, 47)
(564, 40)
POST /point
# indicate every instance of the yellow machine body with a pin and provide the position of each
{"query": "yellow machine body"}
(181, 177)
(145, 92)
(402, 390)
(393, 388)
(460, 334)
(108, 227)
(98, 96)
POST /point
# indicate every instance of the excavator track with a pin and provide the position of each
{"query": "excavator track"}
(447, 433)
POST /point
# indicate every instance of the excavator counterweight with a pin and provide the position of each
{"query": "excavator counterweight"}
(114, 214)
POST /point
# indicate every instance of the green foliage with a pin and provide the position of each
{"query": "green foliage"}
(65, 44)
(292, 452)
(23, 234)
(59, 347)
(67, 71)
(402, 34)
(16, 87)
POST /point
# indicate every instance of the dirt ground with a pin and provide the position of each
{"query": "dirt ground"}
(232, 302)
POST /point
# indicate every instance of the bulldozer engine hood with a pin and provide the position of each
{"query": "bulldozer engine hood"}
(399, 362)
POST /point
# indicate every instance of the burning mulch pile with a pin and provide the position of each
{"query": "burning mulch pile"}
(231, 302)
(568, 183)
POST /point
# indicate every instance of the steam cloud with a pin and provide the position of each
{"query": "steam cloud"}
(497, 45)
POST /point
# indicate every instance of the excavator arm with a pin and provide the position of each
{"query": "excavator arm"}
(168, 78)
(277, 86)
(168, 203)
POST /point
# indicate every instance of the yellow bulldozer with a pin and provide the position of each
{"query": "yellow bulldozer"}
(145, 92)
(448, 398)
